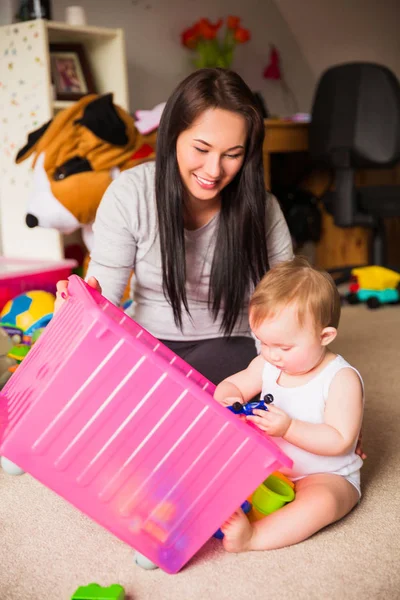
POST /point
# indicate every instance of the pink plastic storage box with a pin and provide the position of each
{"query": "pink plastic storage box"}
(112, 420)
(19, 276)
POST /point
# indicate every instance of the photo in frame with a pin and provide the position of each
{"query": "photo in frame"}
(70, 72)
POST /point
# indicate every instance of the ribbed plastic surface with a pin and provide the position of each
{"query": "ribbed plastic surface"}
(112, 420)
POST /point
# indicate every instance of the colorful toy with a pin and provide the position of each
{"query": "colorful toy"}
(24, 319)
(276, 491)
(94, 591)
(375, 286)
(247, 409)
(374, 298)
(5, 361)
(270, 496)
(112, 420)
(376, 278)
(284, 478)
(15, 356)
(19, 352)
(27, 312)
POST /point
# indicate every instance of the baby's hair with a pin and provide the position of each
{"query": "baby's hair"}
(296, 282)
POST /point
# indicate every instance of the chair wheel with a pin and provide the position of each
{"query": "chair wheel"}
(10, 467)
(144, 562)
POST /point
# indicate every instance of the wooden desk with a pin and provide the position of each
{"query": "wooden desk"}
(338, 246)
(282, 137)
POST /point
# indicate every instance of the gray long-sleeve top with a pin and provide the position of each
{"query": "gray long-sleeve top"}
(126, 237)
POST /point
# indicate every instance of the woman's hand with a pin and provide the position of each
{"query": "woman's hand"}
(62, 291)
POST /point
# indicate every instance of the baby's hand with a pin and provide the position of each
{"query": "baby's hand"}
(62, 291)
(273, 421)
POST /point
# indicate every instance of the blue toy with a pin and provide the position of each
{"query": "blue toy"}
(26, 313)
(374, 298)
(247, 409)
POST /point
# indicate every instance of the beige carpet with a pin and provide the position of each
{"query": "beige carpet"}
(48, 549)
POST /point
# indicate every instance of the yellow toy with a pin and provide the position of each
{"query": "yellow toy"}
(6, 362)
(376, 278)
(25, 313)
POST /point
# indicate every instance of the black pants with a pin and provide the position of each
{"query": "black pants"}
(216, 358)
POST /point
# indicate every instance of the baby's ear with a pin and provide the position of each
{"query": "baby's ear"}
(328, 334)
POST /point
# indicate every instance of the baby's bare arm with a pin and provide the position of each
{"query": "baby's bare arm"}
(241, 386)
(343, 417)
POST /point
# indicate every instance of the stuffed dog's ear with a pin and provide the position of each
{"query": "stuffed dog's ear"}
(33, 139)
(101, 117)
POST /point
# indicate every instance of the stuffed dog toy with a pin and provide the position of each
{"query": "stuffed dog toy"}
(76, 156)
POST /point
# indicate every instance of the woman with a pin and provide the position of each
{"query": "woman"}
(197, 226)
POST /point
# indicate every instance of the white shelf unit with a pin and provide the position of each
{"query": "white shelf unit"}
(26, 102)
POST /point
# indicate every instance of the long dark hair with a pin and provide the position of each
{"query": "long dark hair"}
(241, 255)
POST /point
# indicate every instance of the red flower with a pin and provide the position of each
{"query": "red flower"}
(190, 36)
(273, 69)
(207, 30)
(233, 22)
(241, 35)
(211, 48)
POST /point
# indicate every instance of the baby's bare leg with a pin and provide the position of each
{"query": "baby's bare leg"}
(320, 500)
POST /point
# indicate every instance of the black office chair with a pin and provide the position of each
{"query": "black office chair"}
(356, 124)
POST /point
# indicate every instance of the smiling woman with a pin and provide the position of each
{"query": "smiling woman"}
(197, 227)
(208, 161)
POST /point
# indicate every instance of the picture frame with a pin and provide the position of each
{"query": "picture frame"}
(70, 72)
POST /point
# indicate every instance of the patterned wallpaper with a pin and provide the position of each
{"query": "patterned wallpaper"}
(24, 106)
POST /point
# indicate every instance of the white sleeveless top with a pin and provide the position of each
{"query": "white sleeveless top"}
(307, 403)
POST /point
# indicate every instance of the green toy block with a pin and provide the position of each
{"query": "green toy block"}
(94, 591)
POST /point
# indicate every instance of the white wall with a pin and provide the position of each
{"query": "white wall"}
(330, 32)
(310, 34)
(157, 61)
(7, 11)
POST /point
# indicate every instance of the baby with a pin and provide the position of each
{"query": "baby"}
(317, 411)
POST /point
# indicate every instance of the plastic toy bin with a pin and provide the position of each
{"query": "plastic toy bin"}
(18, 276)
(113, 421)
